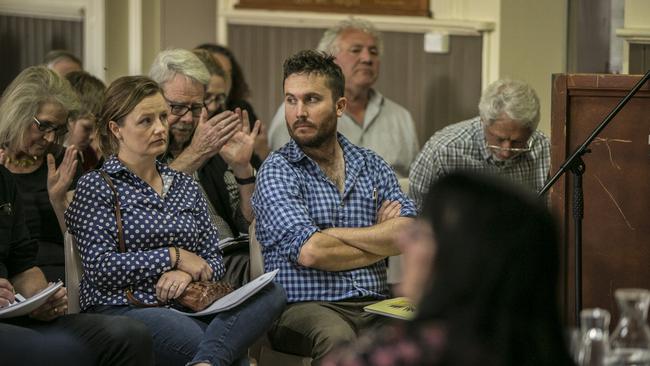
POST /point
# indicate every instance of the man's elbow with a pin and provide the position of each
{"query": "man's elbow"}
(307, 257)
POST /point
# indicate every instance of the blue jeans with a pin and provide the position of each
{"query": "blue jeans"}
(219, 339)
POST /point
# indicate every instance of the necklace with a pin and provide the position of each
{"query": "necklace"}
(24, 162)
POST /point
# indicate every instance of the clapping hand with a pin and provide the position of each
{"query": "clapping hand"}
(238, 150)
(59, 179)
(211, 134)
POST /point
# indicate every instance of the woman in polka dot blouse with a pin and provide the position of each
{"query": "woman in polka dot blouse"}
(168, 236)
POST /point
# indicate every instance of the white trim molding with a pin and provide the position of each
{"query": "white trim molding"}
(91, 12)
(95, 38)
(135, 37)
(228, 14)
(631, 35)
(384, 23)
(66, 10)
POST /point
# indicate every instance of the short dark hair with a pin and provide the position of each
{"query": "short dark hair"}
(318, 63)
(214, 68)
(122, 96)
(239, 89)
(90, 91)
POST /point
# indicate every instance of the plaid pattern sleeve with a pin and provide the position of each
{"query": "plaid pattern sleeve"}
(461, 146)
(293, 199)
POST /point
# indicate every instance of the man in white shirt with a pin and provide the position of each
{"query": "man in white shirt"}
(370, 120)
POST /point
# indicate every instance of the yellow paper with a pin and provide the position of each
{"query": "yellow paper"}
(399, 307)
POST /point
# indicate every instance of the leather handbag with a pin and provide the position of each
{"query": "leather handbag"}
(197, 295)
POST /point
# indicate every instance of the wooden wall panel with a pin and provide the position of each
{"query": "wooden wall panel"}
(438, 89)
(639, 58)
(616, 228)
(24, 41)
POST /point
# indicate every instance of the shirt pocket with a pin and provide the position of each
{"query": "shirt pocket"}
(362, 204)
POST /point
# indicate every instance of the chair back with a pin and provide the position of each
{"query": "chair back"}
(256, 259)
(73, 272)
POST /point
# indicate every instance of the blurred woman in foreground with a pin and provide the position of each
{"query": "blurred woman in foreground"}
(482, 266)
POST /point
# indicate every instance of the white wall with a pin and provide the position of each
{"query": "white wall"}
(529, 40)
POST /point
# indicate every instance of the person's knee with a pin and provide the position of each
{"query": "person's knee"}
(130, 333)
(277, 298)
(329, 336)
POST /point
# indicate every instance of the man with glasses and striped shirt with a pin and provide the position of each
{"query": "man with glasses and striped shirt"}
(503, 141)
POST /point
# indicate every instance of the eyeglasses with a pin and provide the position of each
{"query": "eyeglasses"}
(46, 127)
(181, 109)
(516, 150)
(220, 99)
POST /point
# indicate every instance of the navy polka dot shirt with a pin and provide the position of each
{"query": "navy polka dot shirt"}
(151, 223)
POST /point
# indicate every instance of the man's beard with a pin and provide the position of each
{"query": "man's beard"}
(326, 131)
(173, 142)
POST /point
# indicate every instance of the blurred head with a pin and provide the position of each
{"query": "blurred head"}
(494, 273)
(357, 45)
(34, 111)
(62, 61)
(183, 79)
(216, 93)
(509, 110)
(133, 120)
(236, 83)
(83, 122)
(313, 97)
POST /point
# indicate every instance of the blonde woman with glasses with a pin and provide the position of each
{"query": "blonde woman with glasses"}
(33, 121)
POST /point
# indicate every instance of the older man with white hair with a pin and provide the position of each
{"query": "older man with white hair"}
(503, 141)
(216, 151)
(370, 120)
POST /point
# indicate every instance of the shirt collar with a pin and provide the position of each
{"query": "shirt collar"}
(294, 153)
(113, 165)
(375, 103)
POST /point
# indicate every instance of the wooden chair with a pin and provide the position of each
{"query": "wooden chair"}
(263, 350)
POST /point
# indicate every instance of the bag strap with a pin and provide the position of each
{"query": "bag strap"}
(120, 238)
(118, 214)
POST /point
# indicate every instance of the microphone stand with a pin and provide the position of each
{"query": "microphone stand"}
(577, 167)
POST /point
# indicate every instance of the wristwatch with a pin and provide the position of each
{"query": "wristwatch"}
(245, 181)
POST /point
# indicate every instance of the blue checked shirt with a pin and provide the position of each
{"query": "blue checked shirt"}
(462, 146)
(293, 199)
(151, 224)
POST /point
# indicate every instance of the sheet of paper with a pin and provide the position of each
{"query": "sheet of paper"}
(27, 306)
(236, 297)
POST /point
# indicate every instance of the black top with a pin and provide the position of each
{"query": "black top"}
(211, 176)
(17, 250)
(243, 105)
(40, 217)
(39, 214)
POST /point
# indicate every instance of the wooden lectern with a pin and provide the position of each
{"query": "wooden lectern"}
(616, 226)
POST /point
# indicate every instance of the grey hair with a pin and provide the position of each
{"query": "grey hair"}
(171, 62)
(23, 98)
(515, 98)
(328, 40)
(54, 56)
